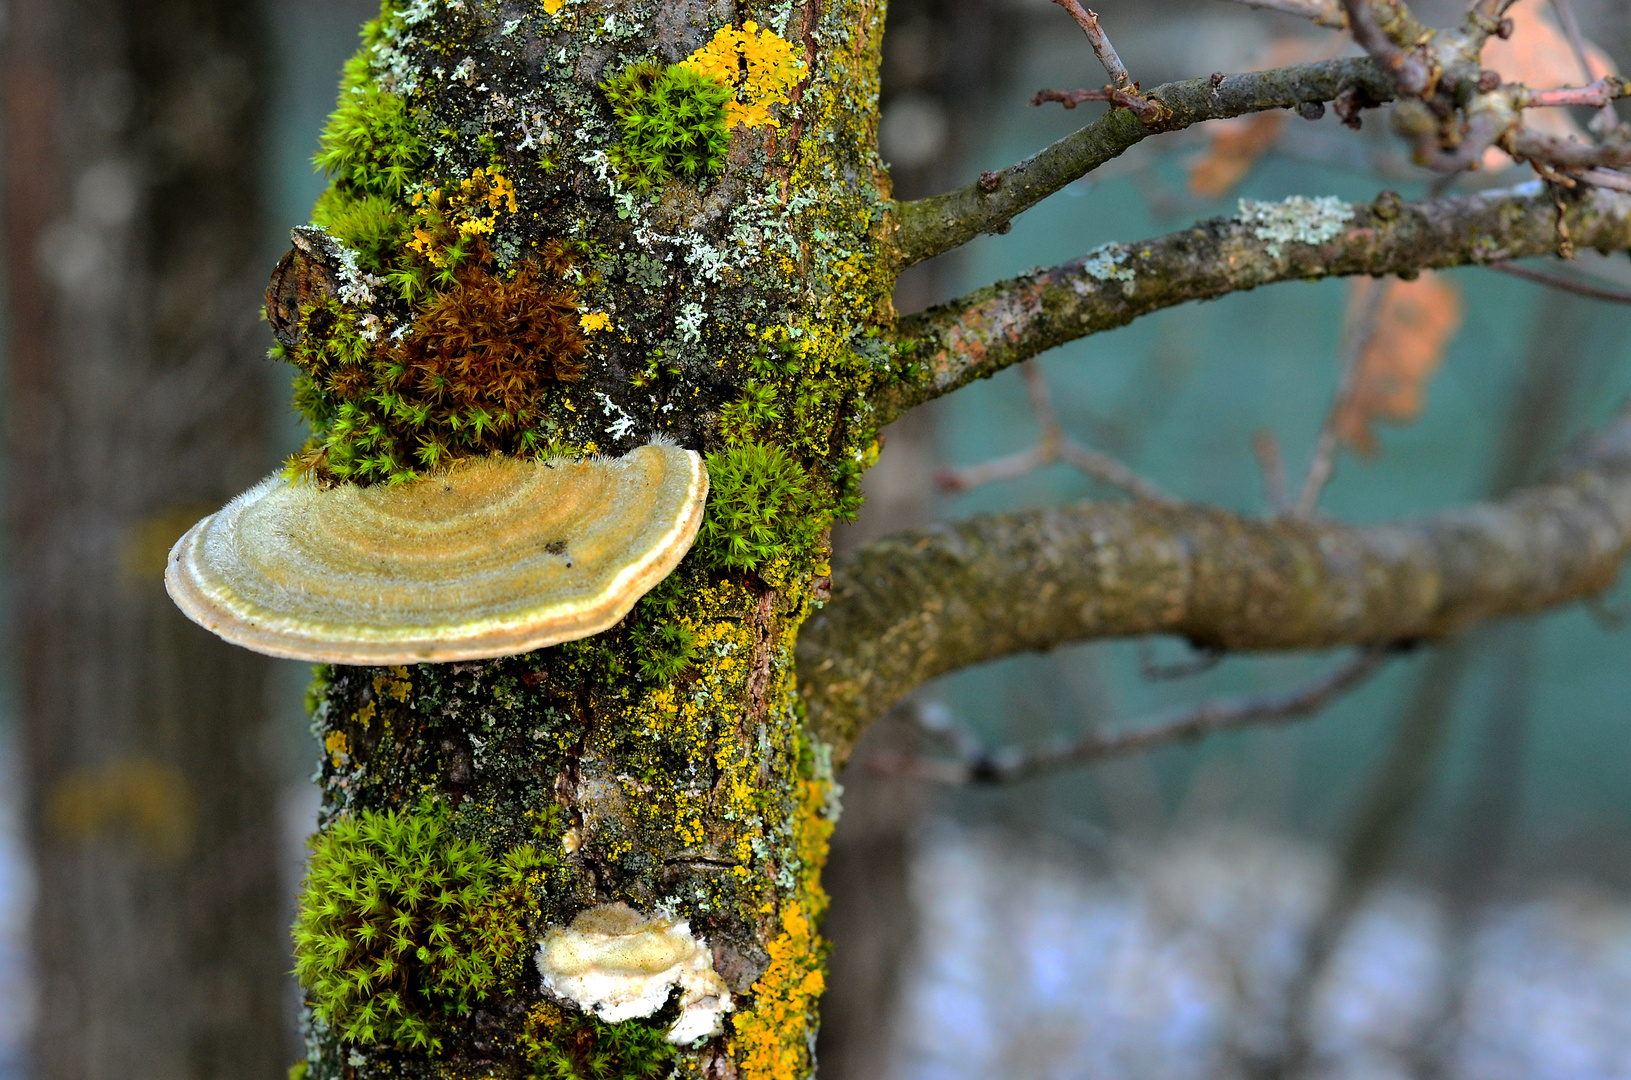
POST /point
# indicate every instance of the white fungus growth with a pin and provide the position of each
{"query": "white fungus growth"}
(1297, 220)
(621, 965)
(1104, 263)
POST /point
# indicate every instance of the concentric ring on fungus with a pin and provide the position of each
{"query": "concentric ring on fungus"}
(496, 557)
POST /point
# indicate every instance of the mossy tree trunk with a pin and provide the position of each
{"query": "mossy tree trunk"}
(738, 306)
(136, 395)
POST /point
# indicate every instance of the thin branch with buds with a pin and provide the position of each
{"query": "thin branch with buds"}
(1606, 119)
(1360, 330)
(1096, 37)
(1008, 764)
(1052, 446)
(1409, 72)
(1596, 94)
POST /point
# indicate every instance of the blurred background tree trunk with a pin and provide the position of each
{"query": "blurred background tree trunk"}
(137, 400)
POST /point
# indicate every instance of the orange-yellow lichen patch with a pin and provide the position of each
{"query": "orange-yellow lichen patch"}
(760, 66)
(770, 1039)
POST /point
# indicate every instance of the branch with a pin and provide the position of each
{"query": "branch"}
(1323, 12)
(1011, 321)
(1052, 446)
(1566, 284)
(911, 607)
(1008, 764)
(929, 227)
(1096, 37)
(1381, 27)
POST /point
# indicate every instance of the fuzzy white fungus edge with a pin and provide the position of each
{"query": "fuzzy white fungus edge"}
(621, 965)
(1297, 220)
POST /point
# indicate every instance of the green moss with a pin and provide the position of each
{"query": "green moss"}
(472, 376)
(403, 927)
(373, 151)
(662, 645)
(761, 505)
(673, 124)
(577, 1046)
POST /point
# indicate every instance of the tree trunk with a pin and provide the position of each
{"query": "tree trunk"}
(137, 395)
(736, 309)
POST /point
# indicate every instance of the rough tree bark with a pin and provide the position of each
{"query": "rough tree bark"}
(554, 250)
(137, 395)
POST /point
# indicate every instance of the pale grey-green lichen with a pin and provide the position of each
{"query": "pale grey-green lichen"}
(1104, 263)
(1297, 220)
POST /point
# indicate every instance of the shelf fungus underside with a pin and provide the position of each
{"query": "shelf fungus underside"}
(495, 557)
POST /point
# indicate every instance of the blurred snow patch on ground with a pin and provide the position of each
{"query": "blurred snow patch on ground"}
(17, 992)
(1178, 965)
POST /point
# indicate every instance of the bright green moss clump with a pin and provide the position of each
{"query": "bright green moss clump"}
(403, 927)
(761, 505)
(673, 121)
(373, 151)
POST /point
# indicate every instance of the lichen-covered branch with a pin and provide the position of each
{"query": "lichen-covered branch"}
(915, 606)
(928, 227)
(1300, 239)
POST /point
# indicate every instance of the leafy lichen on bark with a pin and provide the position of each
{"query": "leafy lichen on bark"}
(662, 763)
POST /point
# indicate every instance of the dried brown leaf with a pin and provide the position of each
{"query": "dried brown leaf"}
(1417, 321)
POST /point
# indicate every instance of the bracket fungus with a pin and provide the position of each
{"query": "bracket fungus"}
(620, 965)
(496, 556)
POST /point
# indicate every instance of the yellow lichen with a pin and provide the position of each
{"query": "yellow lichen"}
(759, 65)
(338, 747)
(770, 1039)
(592, 321)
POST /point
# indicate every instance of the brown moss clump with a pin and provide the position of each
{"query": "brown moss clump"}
(470, 377)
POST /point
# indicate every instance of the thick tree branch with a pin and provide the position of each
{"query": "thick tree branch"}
(928, 227)
(915, 606)
(980, 334)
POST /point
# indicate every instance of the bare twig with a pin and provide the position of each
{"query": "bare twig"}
(1205, 659)
(1596, 94)
(1567, 284)
(1106, 52)
(1008, 764)
(1323, 12)
(1411, 75)
(1107, 469)
(1564, 153)
(1358, 336)
(1607, 178)
(1068, 98)
(1052, 445)
(1273, 464)
(1606, 119)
